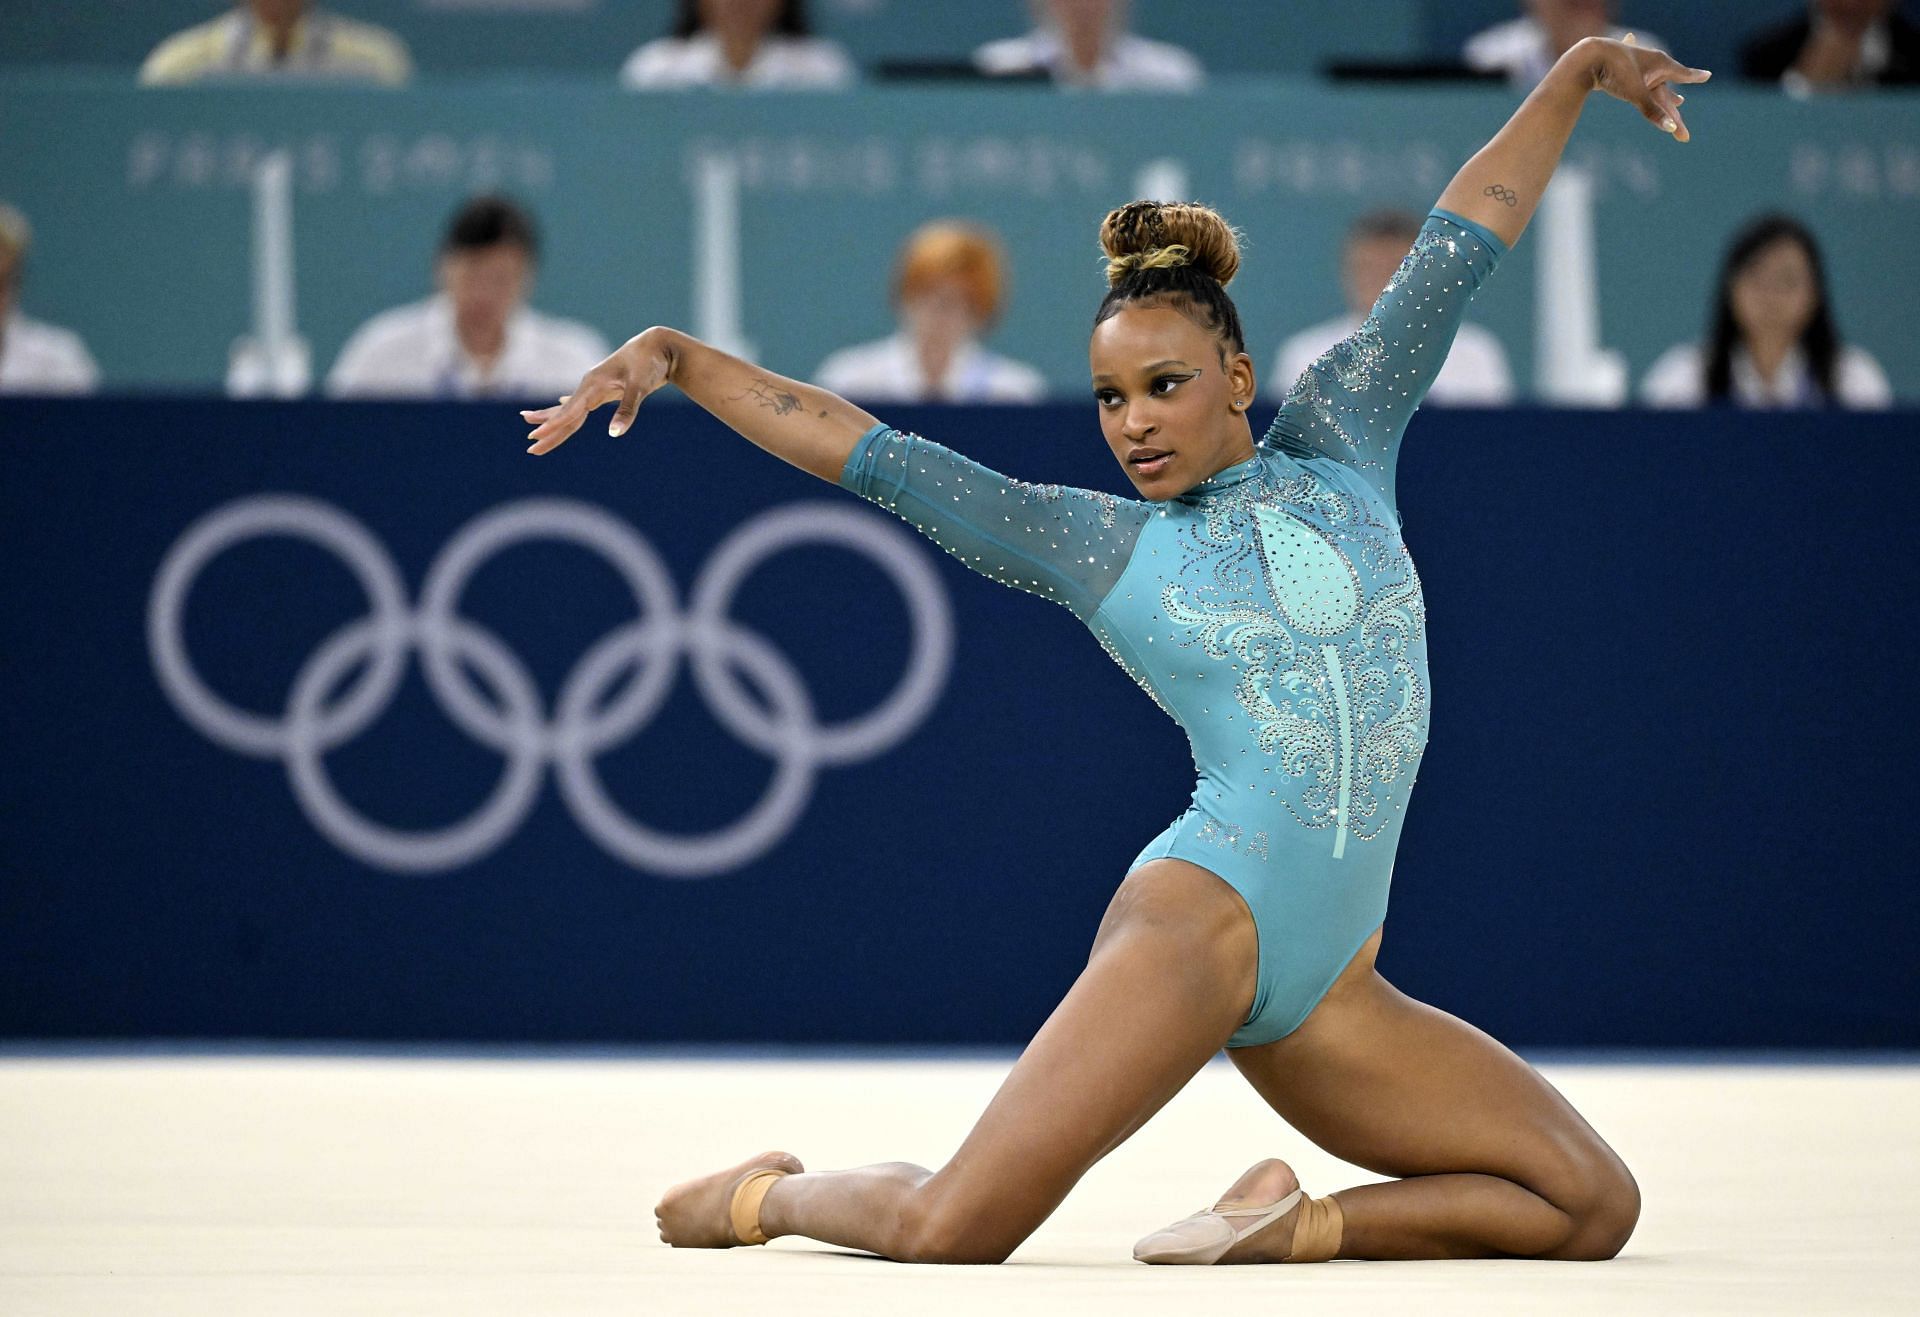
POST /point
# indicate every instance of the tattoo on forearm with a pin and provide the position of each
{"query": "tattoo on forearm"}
(1501, 193)
(780, 400)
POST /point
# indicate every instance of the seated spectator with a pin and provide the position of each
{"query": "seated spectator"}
(34, 357)
(1475, 373)
(946, 289)
(1836, 45)
(1772, 341)
(477, 337)
(762, 44)
(279, 39)
(1085, 43)
(1525, 48)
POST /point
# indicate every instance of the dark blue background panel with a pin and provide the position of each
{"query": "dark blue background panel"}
(1667, 800)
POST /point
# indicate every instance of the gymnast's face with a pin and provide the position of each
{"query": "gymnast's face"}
(1173, 411)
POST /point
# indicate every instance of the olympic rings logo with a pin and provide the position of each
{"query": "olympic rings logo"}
(509, 716)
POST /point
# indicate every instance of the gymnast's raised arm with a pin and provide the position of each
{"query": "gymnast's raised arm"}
(1353, 404)
(798, 423)
(1500, 187)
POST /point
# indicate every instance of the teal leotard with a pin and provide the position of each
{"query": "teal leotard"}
(1272, 611)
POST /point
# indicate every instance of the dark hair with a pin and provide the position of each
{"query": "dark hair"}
(1401, 225)
(488, 221)
(1178, 251)
(1819, 340)
(791, 20)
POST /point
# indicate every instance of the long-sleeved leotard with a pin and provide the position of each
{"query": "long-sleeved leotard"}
(1272, 611)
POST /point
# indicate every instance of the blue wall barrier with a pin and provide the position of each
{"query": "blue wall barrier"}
(1667, 800)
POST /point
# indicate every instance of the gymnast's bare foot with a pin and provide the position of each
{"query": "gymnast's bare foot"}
(698, 1213)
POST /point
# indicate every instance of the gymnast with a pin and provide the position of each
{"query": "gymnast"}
(1261, 594)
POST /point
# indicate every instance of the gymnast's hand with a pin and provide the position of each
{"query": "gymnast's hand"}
(1642, 77)
(639, 366)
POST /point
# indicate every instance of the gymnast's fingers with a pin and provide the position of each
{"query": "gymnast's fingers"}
(597, 387)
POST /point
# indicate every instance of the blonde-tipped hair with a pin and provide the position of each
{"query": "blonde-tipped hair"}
(1152, 235)
(1174, 253)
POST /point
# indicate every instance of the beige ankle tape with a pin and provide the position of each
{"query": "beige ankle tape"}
(1316, 1236)
(745, 1210)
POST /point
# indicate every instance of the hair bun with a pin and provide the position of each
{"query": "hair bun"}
(1153, 234)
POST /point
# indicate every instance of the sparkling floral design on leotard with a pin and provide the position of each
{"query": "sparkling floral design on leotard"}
(1315, 601)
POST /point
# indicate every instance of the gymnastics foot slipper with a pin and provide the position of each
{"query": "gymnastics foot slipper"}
(1205, 1237)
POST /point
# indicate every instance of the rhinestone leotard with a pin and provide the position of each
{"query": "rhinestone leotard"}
(1272, 611)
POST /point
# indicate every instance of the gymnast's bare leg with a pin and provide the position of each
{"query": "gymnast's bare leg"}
(1170, 977)
(1494, 1162)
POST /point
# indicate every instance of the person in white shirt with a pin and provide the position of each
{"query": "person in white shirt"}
(760, 44)
(1772, 342)
(947, 288)
(477, 337)
(1475, 373)
(1085, 43)
(34, 357)
(1525, 48)
(283, 39)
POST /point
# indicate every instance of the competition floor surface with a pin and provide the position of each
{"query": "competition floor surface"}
(287, 1184)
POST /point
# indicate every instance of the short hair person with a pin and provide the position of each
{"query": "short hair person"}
(35, 357)
(1293, 654)
(949, 285)
(476, 337)
(1475, 373)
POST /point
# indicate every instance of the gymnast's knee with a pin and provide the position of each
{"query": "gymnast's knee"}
(937, 1227)
(1604, 1213)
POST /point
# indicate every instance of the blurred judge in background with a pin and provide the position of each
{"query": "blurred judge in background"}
(34, 357)
(279, 39)
(1525, 48)
(1475, 374)
(476, 337)
(1837, 45)
(763, 45)
(1086, 43)
(949, 285)
(1771, 340)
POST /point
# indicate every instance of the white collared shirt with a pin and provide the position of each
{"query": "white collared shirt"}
(1679, 379)
(1130, 63)
(235, 45)
(42, 358)
(1518, 48)
(1475, 373)
(413, 351)
(780, 63)
(889, 370)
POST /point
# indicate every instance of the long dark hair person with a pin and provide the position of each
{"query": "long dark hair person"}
(1819, 340)
(791, 21)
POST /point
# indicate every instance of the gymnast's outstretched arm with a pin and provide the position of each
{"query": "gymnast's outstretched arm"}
(1500, 187)
(1063, 544)
(811, 428)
